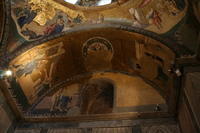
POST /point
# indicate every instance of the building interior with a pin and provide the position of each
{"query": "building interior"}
(55, 78)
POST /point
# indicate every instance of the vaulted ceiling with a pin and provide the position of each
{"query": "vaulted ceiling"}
(71, 60)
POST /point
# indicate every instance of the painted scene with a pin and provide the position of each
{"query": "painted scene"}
(102, 94)
(94, 97)
(74, 79)
(35, 70)
(35, 20)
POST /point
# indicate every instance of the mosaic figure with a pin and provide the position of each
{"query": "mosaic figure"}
(139, 19)
(97, 97)
(96, 50)
(155, 18)
(38, 70)
(38, 19)
(26, 16)
(56, 27)
(66, 102)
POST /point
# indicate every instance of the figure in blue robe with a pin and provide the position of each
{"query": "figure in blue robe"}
(63, 102)
(26, 18)
(57, 29)
(24, 70)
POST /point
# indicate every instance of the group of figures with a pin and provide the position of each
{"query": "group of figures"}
(42, 68)
(65, 102)
(38, 69)
(93, 97)
(154, 15)
(37, 20)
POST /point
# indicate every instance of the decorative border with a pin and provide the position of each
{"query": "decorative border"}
(94, 40)
(178, 49)
(99, 124)
(7, 14)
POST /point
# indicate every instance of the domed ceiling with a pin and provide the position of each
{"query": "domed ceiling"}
(34, 20)
(105, 71)
(73, 61)
(90, 3)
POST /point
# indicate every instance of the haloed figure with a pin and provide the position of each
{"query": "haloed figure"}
(97, 97)
(56, 27)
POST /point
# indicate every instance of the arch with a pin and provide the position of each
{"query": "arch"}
(92, 96)
(2, 19)
(178, 49)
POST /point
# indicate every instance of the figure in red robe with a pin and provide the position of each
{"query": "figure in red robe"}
(157, 19)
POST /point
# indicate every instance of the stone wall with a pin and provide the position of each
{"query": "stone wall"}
(120, 126)
(6, 116)
(189, 116)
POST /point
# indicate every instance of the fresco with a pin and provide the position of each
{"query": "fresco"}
(106, 93)
(35, 19)
(37, 68)
(93, 97)
(96, 44)
(100, 49)
(66, 100)
(153, 15)
(57, 77)
(38, 19)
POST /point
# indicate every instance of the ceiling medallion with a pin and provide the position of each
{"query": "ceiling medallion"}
(98, 53)
(96, 44)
